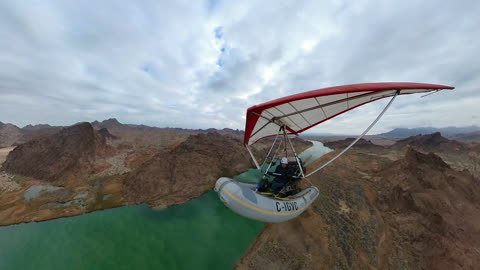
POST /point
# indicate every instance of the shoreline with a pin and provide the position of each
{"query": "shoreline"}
(73, 211)
(81, 195)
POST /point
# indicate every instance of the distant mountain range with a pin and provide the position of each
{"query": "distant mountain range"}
(11, 135)
(447, 131)
(470, 133)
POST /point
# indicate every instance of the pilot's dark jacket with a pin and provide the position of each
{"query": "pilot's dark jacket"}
(285, 174)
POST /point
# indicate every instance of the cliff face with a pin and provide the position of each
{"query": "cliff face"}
(106, 134)
(374, 213)
(62, 154)
(435, 208)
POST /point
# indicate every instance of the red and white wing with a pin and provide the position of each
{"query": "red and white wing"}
(305, 110)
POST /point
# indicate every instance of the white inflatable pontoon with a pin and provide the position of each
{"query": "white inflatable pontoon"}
(242, 199)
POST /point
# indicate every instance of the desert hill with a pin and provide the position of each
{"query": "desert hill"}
(362, 143)
(373, 213)
(435, 208)
(9, 134)
(30, 132)
(468, 137)
(457, 154)
(143, 136)
(399, 133)
(431, 142)
(106, 134)
(70, 151)
(189, 169)
(137, 135)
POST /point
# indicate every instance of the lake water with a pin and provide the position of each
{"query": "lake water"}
(200, 234)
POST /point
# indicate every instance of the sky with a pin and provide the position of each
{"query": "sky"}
(201, 64)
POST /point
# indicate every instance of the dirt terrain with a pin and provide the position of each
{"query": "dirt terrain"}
(6, 180)
(72, 151)
(381, 208)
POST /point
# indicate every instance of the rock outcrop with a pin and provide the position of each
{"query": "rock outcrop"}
(373, 213)
(106, 134)
(186, 171)
(435, 209)
(9, 134)
(362, 143)
(111, 124)
(34, 131)
(68, 152)
(430, 143)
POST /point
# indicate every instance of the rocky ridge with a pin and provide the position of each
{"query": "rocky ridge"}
(188, 170)
(68, 152)
(362, 143)
(431, 142)
(415, 212)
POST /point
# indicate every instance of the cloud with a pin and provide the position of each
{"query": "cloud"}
(202, 64)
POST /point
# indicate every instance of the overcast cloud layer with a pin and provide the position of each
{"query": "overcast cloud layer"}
(196, 64)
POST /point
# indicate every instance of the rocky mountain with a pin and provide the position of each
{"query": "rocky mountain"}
(407, 132)
(30, 132)
(139, 135)
(191, 168)
(12, 135)
(52, 157)
(435, 210)
(468, 137)
(188, 170)
(115, 126)
(146, 137)
(106, 134)
(111, 124)
(373, 213)
(362, 143)
(9, 134)
(434, 142)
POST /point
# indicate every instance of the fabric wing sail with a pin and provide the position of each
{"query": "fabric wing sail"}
(301, 112)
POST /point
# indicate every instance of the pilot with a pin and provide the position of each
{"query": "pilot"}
(283, 174)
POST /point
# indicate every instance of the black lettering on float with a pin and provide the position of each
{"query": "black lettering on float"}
(296, 206)
(278, 207)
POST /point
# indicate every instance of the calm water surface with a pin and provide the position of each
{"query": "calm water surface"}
(201, 234)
